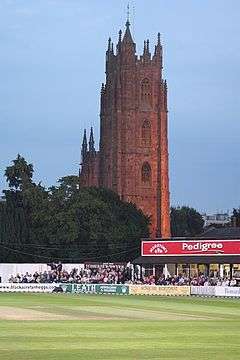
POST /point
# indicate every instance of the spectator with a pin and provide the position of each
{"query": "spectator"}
(114, 274)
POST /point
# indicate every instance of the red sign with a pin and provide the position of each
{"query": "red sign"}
(196, 247)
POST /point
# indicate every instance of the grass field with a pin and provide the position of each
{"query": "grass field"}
(48, 326)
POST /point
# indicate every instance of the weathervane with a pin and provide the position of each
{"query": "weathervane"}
(128, 12)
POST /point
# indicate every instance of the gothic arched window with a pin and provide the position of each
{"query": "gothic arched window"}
(146, 174)
(146, 133)
(146, 92)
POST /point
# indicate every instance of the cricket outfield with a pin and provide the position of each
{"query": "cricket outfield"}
(69, 327)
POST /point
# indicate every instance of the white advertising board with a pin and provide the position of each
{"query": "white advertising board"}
(203, 290)
(13, 287)
(230, 291)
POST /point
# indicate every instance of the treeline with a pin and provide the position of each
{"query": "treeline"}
(71, 224)
(186, 221)
(64, 222)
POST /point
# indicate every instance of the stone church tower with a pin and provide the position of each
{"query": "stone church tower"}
(133, 154)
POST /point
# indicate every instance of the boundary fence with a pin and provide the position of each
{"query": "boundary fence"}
(118, 289)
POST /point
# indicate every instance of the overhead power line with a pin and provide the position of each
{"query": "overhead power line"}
(67, 259)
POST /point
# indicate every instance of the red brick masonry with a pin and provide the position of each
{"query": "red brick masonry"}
(133, 155)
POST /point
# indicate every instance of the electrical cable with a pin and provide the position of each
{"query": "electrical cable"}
(62, 259)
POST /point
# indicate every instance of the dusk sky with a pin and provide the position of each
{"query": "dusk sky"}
(52, 63)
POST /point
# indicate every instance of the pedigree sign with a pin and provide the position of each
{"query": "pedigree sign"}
(196, 247)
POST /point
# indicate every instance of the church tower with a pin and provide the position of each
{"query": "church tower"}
(133, 151)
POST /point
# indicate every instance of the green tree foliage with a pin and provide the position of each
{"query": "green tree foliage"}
(186, 221)
(19, 175)
(235, 218)
(65, 222)
(14, 228)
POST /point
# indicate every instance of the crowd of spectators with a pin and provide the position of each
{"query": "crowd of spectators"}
(180, 280)
(115, 274)
(100, 274)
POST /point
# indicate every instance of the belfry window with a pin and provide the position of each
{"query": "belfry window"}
(146, 174)
(146, 92)
(146, 133)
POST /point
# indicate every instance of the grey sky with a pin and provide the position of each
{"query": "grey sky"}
(52, 58)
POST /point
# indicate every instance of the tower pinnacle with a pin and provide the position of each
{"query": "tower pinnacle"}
(91, 142)
(84, 146)
(158, 48)
(109, 44)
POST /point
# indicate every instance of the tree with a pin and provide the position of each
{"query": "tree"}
(65, 222)
(186, 221)
(235, 218)
(94, 224)
(24, 199)
(19, 175)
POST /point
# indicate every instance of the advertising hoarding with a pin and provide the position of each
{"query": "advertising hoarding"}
(31, 287)
(96, 289)
(203, 290)
(228, 291)
(191, 248)
(159, 290)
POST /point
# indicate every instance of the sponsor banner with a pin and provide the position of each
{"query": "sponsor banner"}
(203, 290)
(196, 247)
(159, 290)
(230, 291)
(96, 288)
(67, 287)
(80, 288)
(31, 287)
(113, 289)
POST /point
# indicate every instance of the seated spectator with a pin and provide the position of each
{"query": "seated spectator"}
(116, 274)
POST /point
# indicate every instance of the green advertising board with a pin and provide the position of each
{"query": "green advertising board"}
(96, 289)
(112, 289)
